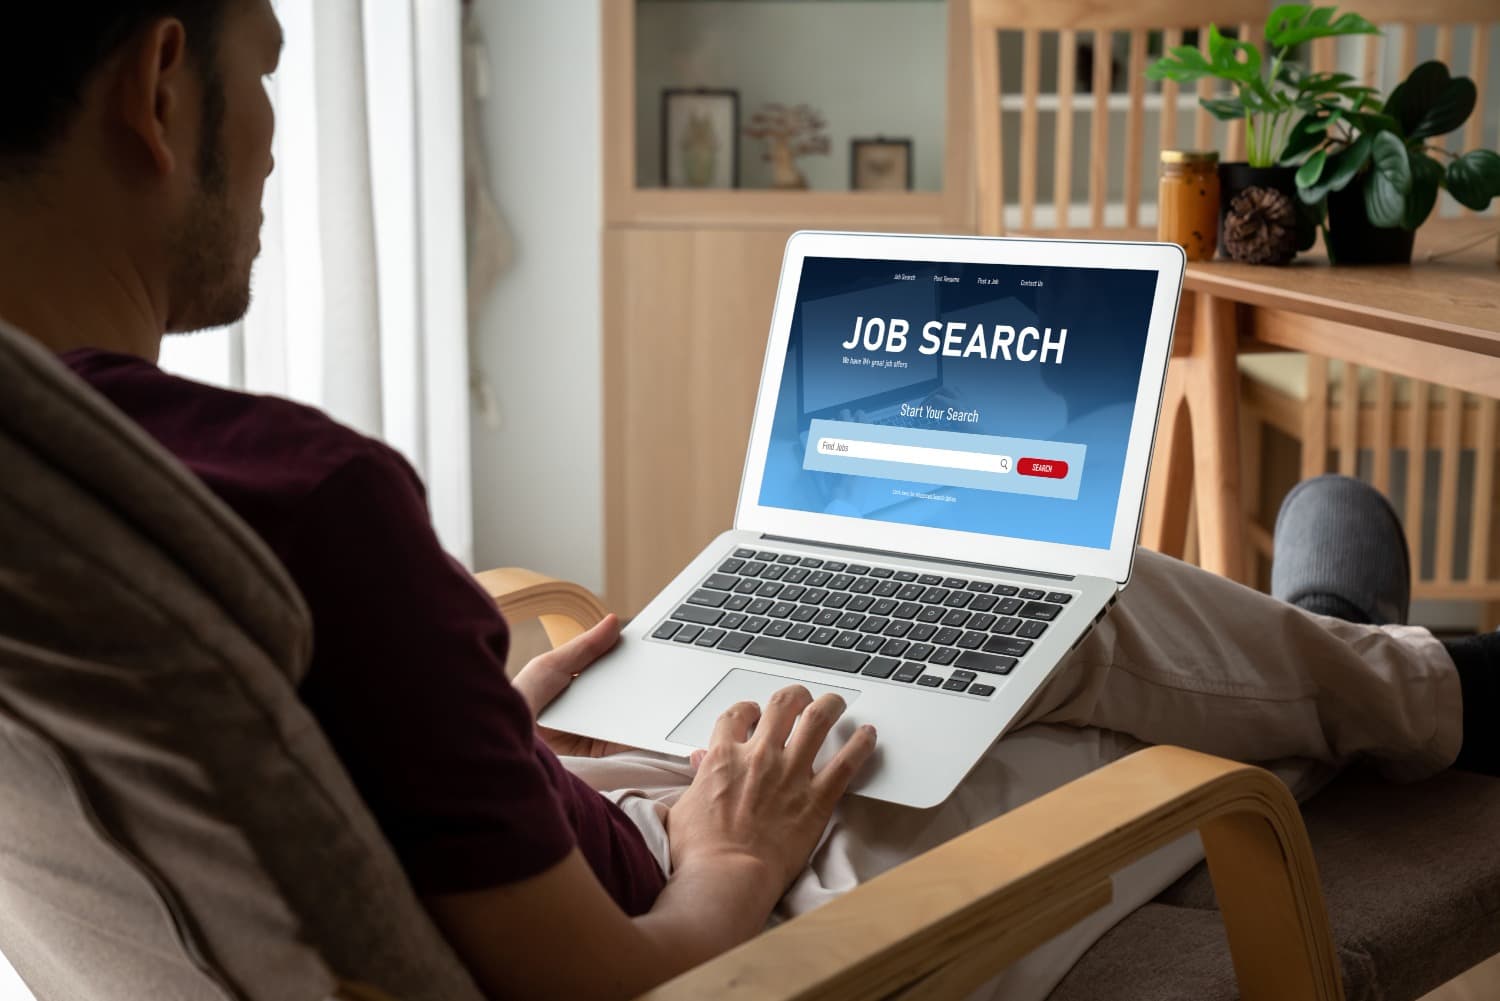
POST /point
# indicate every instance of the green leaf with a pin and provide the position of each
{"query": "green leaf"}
(1429, 102)
(1306, 135)
(1309, 172)
(1349, 162)
(1224, 56)
(1293, 24)
(1389, 182)
(1226, 109)
(1182, 64)
(1426, 177)
(1474, 178)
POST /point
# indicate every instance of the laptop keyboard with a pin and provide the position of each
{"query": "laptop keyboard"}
(954, 634)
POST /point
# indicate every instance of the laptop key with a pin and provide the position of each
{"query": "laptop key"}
(861, 602)
(733, 620)
(1059, 597)
(965, 675)
(776, 571)
(697, 613)
(1033, 593)
(738, 603)
(874, 624)
(931, 613)
(751, 569)
(981, 586)
(778, 627)
(919, 651)
(930, 681)
(755, 623)
(804, 613)
(883, 606)
(882, 572)
(769, 589)
(870, 644)
(760, 606)
(957, 582)
(851, 620)
(818, 578)
(989, 663)
(833, 566)
(703, 596)
(826, 617)
(1008, 645)
(747, 585)
(687, 634)
(983, 602)
(794, 593)
(838, 599)
(1005, 626)
(815, 596)
(911, 592)
(812, 656)
(858, 569)
(847, 639)
(823, 636)
(957, 617)
(886, 588)
(907, 672)
(929, 579)
(744, 554)
(1009, 606)
(946, 636)
(709, 637)
(972, 640)
(1040, 610)
(943, 655)
(881, 667)
(1031, 629)
(934, 596)
(731, 566)
(981, 689)
(765, 556)
(898, 627)
(922, 632)
(958, 599)
(781, 609)
(720, 581)
(840, 582)
(895, 648)
(906, 576)
(810, 561)
(906, 610)
(862, 585)
(955, 685)
(797, 575)
(665, 630)
(735, 642)
(1006, 589)
(800, 631)
(981, 621)
(789, 559)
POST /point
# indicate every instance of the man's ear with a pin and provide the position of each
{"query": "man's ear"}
(154, 77)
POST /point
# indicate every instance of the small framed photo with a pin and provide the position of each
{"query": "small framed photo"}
(700, 138)
(880, 164)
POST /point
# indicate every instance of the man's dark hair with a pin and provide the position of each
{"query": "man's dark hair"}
(50, 50)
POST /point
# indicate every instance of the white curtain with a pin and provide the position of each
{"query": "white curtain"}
(359, 294)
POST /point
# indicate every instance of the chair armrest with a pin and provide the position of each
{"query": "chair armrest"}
(944, 923)
(564, 608)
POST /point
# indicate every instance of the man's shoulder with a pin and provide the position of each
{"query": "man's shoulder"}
(237, 440)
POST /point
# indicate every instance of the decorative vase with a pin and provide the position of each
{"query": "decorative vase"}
(1235, 177)
(784, 172)
(1352, 239)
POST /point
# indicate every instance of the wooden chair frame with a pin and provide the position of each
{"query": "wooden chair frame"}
(944, 923)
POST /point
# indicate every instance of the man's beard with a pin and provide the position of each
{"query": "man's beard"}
(208, 277)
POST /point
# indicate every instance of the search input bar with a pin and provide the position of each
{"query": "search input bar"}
(916, 455)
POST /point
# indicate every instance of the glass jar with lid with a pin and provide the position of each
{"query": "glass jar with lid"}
(1188, 201)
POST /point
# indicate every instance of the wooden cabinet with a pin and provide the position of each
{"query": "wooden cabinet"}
(689, 282)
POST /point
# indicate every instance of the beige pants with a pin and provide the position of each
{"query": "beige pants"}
(1185, 658)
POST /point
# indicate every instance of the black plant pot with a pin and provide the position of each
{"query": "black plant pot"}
(1239, 175)
(1352, 239)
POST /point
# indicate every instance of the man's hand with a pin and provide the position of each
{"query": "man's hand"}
(544, 678)
(755, 799)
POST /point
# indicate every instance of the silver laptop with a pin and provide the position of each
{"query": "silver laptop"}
(942, 495)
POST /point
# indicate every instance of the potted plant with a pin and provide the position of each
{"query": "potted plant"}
(1377, 172)
(1271, 96)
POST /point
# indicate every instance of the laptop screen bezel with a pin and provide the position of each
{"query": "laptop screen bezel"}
(1114, 563)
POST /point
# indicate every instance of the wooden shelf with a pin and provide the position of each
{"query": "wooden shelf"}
(771, 209)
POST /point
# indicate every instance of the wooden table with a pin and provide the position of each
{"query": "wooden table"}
(1438, 321)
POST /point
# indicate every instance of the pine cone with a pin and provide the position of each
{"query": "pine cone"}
(1261, 227)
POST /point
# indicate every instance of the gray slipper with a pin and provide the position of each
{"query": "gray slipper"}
(1340, 550)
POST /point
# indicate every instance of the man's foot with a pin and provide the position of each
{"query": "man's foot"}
(1340, 551)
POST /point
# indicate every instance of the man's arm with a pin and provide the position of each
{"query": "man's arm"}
(739, 835)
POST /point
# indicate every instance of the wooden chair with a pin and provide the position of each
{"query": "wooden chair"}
(1340, 412)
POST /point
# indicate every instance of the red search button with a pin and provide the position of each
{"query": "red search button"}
(1052, 469)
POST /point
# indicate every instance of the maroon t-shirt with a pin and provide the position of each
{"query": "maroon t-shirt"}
(408, 670)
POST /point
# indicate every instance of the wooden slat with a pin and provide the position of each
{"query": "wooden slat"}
(1324, 55)
(1052, 15)
(1234, 147)
(1484, 493)
(1062, 175)
(1408, 49)
(1369, 69)
(988, 158)
(1135, 127)
(1031, 83)
(1099, 136)
(1203, 123)
(1349, 422)
(1416, 468)
(1171, 38)
(1479, 58)
(1445, 44)
(1383, 12)
(1447, 514)
(1380, 441)
(1315, 419)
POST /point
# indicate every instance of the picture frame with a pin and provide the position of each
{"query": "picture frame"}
(700, 138)
(880, 164)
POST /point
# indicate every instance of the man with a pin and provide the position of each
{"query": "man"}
(135, 140)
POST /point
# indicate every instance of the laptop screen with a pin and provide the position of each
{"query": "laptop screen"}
(985, 398)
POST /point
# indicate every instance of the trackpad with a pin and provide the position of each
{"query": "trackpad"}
(697, 727)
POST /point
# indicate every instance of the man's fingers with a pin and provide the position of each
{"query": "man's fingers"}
(832, 780)
(579, 652)
(781, 712)
(812, 729)
(734, 723)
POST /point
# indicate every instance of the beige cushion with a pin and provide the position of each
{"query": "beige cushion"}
(172, 822)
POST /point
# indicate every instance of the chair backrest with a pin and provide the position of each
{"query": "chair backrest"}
(172, 822)
(1016, 41)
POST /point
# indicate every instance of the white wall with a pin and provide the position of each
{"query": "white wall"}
(538, 494)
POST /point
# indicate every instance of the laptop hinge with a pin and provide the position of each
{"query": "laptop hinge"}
(916, 556)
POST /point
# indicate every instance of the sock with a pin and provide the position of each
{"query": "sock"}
(1478, 661)
(1332, 604)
